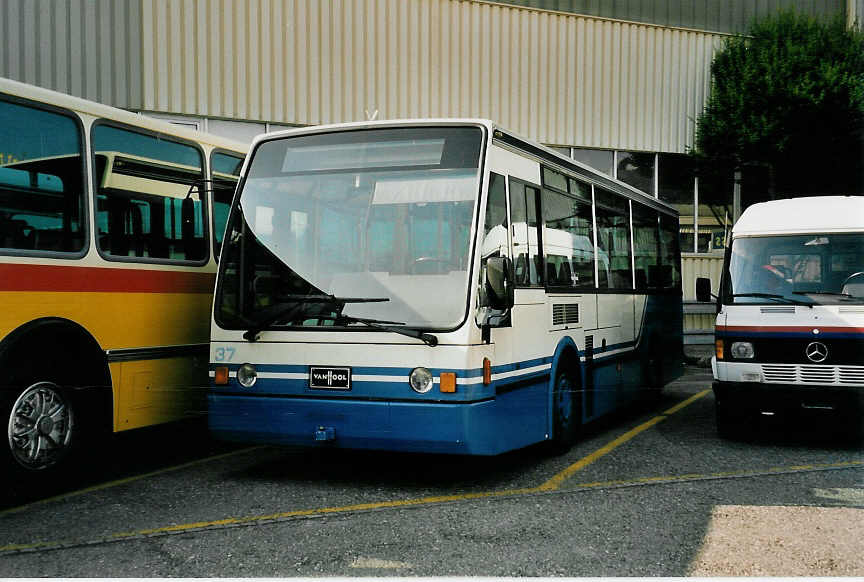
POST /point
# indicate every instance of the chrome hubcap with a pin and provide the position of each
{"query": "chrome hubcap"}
(40, 426)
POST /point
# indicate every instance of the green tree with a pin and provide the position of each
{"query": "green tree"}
(787, 100)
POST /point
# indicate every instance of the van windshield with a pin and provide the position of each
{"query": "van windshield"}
(817, 269)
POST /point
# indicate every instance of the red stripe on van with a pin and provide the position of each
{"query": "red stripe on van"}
(788, 329)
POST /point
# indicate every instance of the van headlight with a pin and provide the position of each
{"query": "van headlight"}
(742, 350)
(421, 380)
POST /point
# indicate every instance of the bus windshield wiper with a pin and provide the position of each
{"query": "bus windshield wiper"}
(775, 297)
(293, 309)
(426, 338)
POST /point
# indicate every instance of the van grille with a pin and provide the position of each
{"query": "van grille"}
(795, 374)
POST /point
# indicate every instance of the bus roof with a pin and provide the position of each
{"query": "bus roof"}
(506, 136)
(807, 215)
(34, 93)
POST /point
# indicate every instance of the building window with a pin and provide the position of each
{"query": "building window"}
(636, 169)
(603, 160)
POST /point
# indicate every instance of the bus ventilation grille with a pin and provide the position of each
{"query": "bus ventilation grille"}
(564, 313)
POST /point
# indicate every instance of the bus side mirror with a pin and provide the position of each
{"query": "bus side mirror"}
(703, 289)
(499, 287)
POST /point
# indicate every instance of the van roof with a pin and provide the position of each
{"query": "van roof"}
(806, 215)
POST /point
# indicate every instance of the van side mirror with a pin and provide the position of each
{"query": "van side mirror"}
(499, 286)
(703, 289)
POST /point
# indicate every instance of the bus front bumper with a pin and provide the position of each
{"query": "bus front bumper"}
(431, 427)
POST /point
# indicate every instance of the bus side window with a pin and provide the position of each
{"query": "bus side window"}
(41, 181)
(224, 173)
(150, 203)
(524, 225)
(613, 240)
(646, 246)
(568, 240)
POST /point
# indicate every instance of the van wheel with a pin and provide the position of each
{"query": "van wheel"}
(731, 426)
(566, 411)
(40, 426)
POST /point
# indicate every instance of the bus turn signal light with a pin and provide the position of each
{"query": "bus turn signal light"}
(718, 349)
(487, 372)
(221, 376)
(448, 382)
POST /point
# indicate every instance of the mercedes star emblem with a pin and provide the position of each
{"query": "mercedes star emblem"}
(816, 352)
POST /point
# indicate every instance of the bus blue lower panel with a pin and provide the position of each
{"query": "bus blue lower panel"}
(488, 427)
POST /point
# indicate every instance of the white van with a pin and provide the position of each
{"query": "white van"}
(790, 324)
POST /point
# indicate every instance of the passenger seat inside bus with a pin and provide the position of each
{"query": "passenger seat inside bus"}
(16, 234)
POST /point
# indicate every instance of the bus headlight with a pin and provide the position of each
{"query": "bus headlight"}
(421, 380)
(742, 350)
(247, 375)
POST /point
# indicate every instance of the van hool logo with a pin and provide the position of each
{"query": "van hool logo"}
(333, 378)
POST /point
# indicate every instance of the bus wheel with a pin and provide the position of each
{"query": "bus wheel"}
(566, 411)
(40, 423)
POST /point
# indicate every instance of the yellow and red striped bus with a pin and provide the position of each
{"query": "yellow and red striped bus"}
(110, 229)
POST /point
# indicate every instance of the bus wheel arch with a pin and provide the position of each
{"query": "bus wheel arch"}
(54, 399)
(566, 392)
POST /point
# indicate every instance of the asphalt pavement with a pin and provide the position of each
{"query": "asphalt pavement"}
(651, 491)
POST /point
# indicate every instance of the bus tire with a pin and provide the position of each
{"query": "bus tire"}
(41, 421)
(566, 410)
(55, 379)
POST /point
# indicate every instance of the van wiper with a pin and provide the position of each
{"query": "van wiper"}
(843, 296)
(832, 293)
(294, 309)
(775, 297)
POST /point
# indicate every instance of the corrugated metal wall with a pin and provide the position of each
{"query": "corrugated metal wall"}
(87, 48)
(713, 15)
(855, 13)
(693, 266)
(560, 79)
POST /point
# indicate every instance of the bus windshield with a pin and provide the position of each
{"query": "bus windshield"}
(384, 214)
(818, 269)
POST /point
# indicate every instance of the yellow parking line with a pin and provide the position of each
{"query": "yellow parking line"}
(123, 481)
(556, 481)
(687, 402)
(550, 485)
(719, 475)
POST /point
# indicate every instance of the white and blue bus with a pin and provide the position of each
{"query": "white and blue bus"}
(436, 286)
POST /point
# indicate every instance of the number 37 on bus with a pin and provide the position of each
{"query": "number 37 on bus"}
(436, 286)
